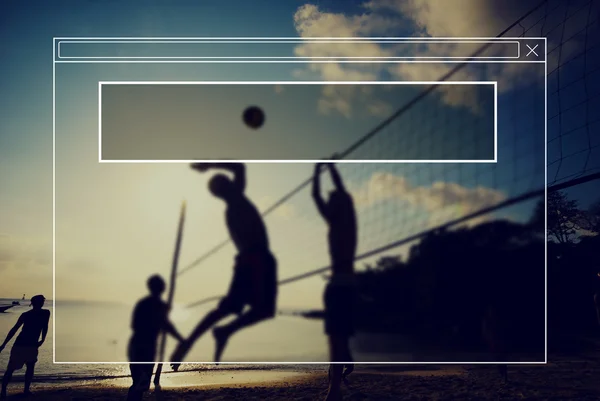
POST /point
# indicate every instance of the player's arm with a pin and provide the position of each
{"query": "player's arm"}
(12, 332)
(45, 330)
(336, 178)
(316, 191)
(168, 326)
(238, 170)
(135, 317)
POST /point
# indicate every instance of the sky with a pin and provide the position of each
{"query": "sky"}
(115, 224)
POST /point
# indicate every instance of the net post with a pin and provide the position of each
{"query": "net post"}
(171, 293)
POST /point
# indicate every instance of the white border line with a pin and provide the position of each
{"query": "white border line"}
(546, 201)
(495, 121)
(304, 363)
(294, 363)
(99, 121)
(321, 38)
(370, 61)
(349, 161)
(465, 59)
(294, 41)
(54, 209)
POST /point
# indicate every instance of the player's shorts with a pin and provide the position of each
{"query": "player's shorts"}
(254, 283)
(20, 355)
(340, 299)
(141, 350)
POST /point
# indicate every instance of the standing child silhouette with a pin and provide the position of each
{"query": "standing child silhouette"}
(150, 318)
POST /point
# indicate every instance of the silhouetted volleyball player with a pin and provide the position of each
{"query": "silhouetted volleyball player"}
(25, 348)
(254, 280)
(340, 293)
(150, 318)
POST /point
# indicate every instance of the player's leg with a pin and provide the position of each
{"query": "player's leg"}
(138, 352)
(232, 303)
(339, 327)
(29, 371)
(250, 318)
(6, 379)
(209, 320)
(134, 393)
(336, 352)
(262, 297)
(347, 370)
(15, 362)
(146, 376)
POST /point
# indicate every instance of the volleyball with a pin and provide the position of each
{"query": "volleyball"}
(254, 117)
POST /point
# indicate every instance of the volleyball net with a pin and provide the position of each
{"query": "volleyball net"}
(401, 203)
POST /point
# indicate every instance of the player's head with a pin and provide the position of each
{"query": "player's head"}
(221, 186)
(38, 301)
(156, 285)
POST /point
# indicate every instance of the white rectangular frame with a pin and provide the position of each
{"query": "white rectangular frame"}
(295, 40)
(494, 83)
(55, 62)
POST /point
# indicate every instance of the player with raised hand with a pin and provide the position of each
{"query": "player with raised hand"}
(340, 293)
(254, 281)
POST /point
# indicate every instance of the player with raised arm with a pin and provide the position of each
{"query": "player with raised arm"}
(25, 349)
(254, 281)
(340, 293)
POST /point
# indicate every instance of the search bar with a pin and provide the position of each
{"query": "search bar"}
(288, 49)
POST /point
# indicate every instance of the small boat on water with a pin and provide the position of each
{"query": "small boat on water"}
(15, 303)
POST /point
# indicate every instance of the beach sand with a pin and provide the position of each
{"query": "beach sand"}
(565, 378)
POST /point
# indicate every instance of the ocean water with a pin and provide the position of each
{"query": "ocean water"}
(90, 341)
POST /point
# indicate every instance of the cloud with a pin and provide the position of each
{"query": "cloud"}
(455, 18)
(425, 18)
(345, 99)
(442, 200)
(310, 21)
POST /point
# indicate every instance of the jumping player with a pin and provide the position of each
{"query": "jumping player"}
(340, 293)
(254, 282)
(25, 349)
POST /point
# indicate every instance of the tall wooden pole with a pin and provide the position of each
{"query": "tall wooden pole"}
(171, 293)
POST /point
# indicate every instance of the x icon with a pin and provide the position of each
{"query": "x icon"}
(532, 50)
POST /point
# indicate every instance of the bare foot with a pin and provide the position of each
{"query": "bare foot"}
(221, 337)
